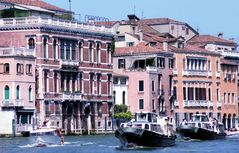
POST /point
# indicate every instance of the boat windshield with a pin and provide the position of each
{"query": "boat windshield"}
(200, 118)
(196, 118)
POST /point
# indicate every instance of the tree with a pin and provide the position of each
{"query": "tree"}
(121, 112)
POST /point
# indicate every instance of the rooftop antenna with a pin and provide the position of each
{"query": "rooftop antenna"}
(134, 9)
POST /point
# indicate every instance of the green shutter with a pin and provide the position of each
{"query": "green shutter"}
(7, 93)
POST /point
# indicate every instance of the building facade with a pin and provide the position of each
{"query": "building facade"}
(72, 73)
(17, 86)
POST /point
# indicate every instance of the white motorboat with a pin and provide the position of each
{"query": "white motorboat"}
(47, 134)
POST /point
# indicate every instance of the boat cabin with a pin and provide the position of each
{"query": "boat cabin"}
(200, 118)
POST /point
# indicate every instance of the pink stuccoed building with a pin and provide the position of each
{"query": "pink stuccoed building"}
(149, 71)
(72, 69)
(17, 86)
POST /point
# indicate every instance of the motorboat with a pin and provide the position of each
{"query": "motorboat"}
(202, 128)
(47, 134)
(147, 130)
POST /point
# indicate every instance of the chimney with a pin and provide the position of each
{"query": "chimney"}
(220, 35)
(165, 46)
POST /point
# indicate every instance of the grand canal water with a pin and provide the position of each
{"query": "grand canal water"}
(109, 144)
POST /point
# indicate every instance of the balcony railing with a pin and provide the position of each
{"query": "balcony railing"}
(229, 53)
(71, 95)
(176, 103)
(69, 62)
(16, 51)
(219, 104)
(210, 103)
(151, 69)
(195, 103)
(175, 72)
(13, 103)
(54, 22)
(195, 73)
(218, 74)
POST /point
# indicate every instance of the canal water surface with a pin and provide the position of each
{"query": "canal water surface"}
(109, 144)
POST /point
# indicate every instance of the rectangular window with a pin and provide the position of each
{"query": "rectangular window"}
(232, 98)
(73, 51)
(228, 98)
(6, 68)
(153, 86)
(129, 44)
(122, 80)
(224, 98)
(217, 94)
(161, 62)
(62, 50)
(141, 85)
(190, 93)
(115, 80)
(67, 50)
(184, 93)
(141, 104)
(171, 63)
(209, 94)
(153, 105)
(29, 69)
(121, 63)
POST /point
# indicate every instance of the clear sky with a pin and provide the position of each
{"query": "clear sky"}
(209, 16)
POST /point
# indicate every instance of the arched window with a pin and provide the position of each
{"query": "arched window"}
(98, 53)
(30, 93)
(45, 47)
(6, 93)
(18, 92)
(123, 97)
(91, 55)
(55, 49)
(31, 43)
(73, 51)
(45, 81)
(80, 51)
(109, 53)
(6, 68)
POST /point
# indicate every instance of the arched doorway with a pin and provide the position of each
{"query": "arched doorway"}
(234, 121)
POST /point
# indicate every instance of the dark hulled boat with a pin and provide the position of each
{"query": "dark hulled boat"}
(147, 130)
(201, 128)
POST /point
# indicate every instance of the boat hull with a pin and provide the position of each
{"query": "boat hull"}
(48, 136)
(141, 137)
(199, 133)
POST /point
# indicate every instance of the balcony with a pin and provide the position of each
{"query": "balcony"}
(176, 103)
(195, 73)
(151, 69)
(229, 53)
(219, 104)
(210, 103)
(71, 96)
(175, 72)
(17, 52)
(69, 63)
(218, 74)
(12, 103)
(210, 73)
(195, 103)
(10, 22)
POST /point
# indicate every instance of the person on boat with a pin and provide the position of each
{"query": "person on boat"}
(184, 122)
(165, 126)
(58, 132)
